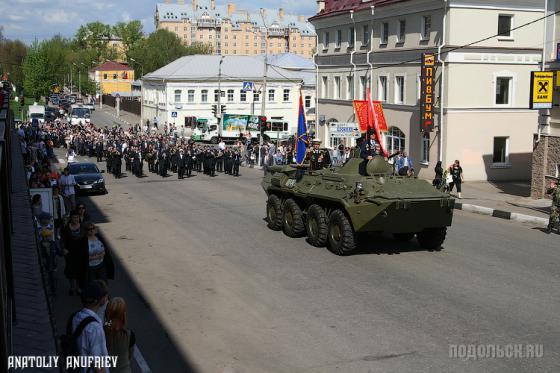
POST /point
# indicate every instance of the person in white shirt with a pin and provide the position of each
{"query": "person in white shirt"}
(67, 183)
(70, 156)
(222, 145)
(91, 342)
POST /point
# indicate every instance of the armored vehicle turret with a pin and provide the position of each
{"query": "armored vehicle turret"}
(333, 205)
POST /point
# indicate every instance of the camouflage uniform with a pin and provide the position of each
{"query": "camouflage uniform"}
(555, 209)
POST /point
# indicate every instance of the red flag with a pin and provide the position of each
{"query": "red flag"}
(362, 114)
(373, 123)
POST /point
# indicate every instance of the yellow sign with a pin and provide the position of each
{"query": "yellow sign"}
(541, 89)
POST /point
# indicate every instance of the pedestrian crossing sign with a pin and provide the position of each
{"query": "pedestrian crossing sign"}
(247, 86)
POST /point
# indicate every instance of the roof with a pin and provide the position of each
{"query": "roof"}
(178, 12)
(291, 61)
(112, 66)
(235, 68)
(335, 7)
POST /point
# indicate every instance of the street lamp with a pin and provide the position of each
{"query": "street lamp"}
(264, 93)
(141, 66)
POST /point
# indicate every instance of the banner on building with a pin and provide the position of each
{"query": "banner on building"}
(427, 93)
(541, 89)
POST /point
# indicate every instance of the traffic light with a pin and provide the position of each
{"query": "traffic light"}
(214, 109)
(262, 124)
(223, 109)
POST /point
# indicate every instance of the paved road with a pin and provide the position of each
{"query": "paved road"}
(235, 295)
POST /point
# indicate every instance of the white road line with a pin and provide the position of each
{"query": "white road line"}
(140, 360)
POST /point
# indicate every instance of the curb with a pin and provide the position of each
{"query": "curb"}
(507, 215)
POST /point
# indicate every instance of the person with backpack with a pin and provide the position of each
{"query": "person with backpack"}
(84, 331)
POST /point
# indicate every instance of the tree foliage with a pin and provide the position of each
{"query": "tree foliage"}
(161, 48)
(37, 71)
(12, 54)
(130, 33)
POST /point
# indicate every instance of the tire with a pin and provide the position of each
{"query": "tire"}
(292, 219)
(214, 140)
(432, 238)
(403, 237)
(317, 226)
(341, 238)
(274, 212)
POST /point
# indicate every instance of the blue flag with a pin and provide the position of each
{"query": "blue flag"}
(301, 141)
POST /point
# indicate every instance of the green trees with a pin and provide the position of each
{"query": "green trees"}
(59, 60)
(12, 54)
(159, 49)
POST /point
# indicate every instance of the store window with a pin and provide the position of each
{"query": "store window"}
(177, 95)
(425, 147)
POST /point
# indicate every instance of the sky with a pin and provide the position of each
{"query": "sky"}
(28, 20)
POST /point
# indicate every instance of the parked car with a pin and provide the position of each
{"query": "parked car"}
(88, 178)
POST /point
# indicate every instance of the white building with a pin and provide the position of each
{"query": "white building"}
(188, 87)
(482, 115)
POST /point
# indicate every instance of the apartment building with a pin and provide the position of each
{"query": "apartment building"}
(232, 31)
(481, 99)
(546, 155)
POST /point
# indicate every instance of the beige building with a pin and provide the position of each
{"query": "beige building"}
(232, 31)
(482, 115)
(546, 155)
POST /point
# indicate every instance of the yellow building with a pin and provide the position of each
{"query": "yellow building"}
(113, 77)
(231, 31)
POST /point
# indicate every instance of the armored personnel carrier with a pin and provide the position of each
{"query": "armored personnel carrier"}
(333, 205)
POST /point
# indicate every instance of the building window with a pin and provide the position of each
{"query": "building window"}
(425, 28)
(336, 91)
(363, 87)
(242, 96)
(216, 95)
(349, 88)
(190, 95)
(204, 95)
(401, 32)
(504, 25)
(286, 96)
(256, 97)
(382, 88)
(324, 87)
(384, 37)
(338, 38)
(501, 150)
(230, 93)
(503, 90)
(399, 89)
(326, 40)
(425, 148)
(365, 35)
(177, 95)
(115, 76)
(351, 37)
(394, 140)
(307, 102)
(271, 93)
(104, 76)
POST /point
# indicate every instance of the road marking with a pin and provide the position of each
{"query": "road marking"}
(140, 360)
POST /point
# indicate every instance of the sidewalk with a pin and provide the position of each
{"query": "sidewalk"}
(504, 199)
(33, 329)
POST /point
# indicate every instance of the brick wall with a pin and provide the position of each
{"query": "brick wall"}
(546, 158)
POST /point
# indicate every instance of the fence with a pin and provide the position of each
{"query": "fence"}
(131, 105)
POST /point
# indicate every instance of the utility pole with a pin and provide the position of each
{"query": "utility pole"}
(71, 81)
(265, 73)
(219, 106)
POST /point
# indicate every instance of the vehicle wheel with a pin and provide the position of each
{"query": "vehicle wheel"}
(341, 238)
(274, 212)
(432, 238)
(214, 140)
(317, 226)
(403, 237)
(292, 219)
